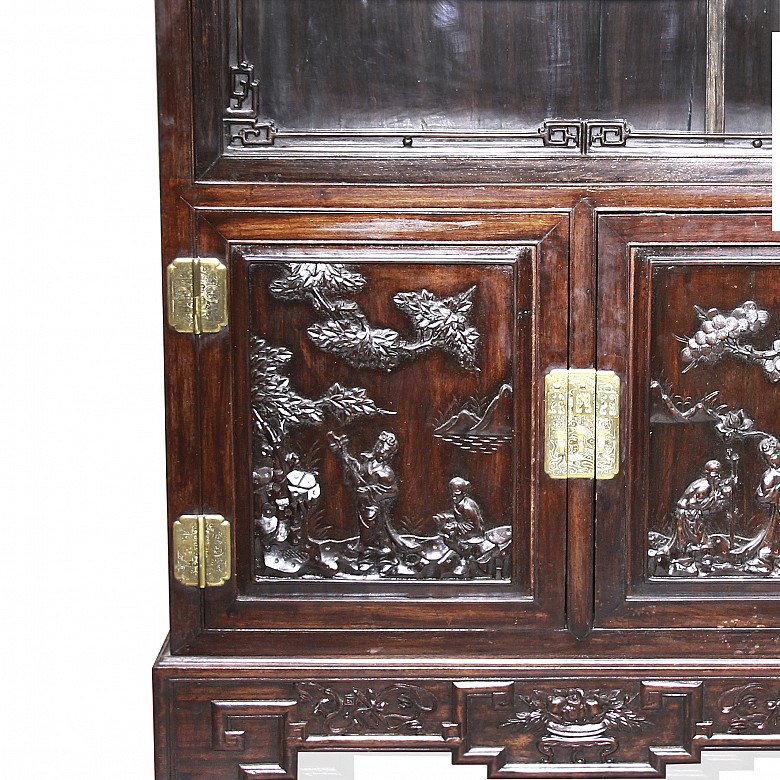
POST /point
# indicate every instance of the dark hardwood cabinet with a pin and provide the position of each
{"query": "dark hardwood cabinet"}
(473, 383)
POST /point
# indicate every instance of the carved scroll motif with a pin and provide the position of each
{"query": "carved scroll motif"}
(751, 709)
(395, 709)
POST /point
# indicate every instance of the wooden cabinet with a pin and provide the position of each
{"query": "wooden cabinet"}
(472, 400)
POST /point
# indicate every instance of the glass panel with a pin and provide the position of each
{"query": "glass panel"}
(477, 65)
(749, 25)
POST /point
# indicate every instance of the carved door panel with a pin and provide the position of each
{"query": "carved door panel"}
(369, 418)
(688, 534)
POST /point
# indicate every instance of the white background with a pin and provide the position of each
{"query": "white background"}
(84, 609)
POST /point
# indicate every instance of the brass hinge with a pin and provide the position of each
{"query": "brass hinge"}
(201, 550)
(582, 424)
(197, 295)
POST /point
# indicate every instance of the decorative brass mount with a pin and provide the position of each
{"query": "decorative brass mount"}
(201, 550)
(582, 424)
(197, 295)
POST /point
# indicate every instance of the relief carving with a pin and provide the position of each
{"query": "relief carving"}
(478, 425)
(286, 481)
(708, 536)
(293, 500)
(345, 331)
(395, 709)
(290, 538)
(460, 548)
(577, 720)
(753, 709)
(726, 335)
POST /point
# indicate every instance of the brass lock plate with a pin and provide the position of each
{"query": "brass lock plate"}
(582, 424)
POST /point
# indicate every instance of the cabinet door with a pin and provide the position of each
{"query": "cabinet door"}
(369, 422)
(688, 534)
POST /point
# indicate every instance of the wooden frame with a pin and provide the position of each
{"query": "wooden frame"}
(234, 683)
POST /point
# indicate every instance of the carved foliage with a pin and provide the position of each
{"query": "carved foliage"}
(287, 486)
(577, 719)
(437, 323)
(751, 709)
(278, 407)
(722, 335)
(642, 724)
(395, 709)
(576, 726)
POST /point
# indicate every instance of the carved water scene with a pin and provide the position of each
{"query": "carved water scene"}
(716, 401)
(478, 424)
(355, 474)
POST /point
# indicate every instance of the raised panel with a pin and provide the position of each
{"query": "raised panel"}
(696, 516)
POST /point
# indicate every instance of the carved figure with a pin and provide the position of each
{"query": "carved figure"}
(462, 530)
(286, 483)
(696, 547)
(705, 499)
(766, 546)
(465, 519)
(375, 485)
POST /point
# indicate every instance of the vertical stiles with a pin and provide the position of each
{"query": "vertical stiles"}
(715, 108)
(582, 354)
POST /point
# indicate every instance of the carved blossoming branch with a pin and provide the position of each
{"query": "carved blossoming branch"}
(731, 424)
(723, 334)
(438, 323)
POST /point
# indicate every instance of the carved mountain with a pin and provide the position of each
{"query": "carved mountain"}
(496, 419)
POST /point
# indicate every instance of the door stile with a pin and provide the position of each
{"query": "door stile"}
(181, 349)
(582, 354)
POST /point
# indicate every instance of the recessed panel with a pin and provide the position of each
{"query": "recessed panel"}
(713, 513)
(386, 390)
